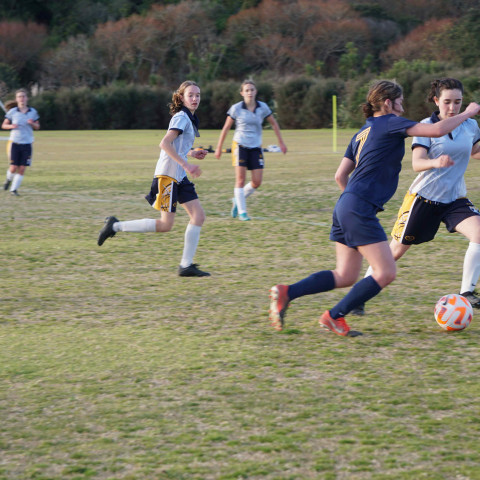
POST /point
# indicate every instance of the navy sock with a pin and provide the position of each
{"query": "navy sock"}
(315, 283)
(362, 291)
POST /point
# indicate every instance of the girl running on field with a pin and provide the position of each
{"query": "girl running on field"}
(21, 120)
(374, 159)
(170, 184)
(247, 153)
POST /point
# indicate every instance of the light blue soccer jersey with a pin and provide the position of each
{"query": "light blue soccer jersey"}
(187, 126)
(24, 133)
(248, 125)
(445, 185)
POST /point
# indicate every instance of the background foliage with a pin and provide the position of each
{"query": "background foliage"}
(141, 48)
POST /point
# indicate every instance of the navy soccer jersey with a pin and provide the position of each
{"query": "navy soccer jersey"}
(377, 150)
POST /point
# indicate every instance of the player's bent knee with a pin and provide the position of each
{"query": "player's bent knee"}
(385, 278)
(163, 226)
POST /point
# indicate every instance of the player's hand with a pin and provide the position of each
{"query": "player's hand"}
(443, 161)
(283, 148)
(194, 170)
(218, 153)
(473, 109)
(199, 153)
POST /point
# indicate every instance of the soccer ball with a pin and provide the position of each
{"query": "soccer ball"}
(453, 312)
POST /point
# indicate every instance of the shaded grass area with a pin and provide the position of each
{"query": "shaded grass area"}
(113, 367)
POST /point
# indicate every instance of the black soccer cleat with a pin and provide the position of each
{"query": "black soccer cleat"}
(14, 193)
(107, 230)
(6, 184)
(472, 298)
(192, 271)
(359, 310)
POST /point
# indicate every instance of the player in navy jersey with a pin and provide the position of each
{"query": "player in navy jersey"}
(247, 153)
(438, 193)
(170, 183)
(373, 162)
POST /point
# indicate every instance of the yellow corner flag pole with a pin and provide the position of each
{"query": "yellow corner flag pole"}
(334, 121)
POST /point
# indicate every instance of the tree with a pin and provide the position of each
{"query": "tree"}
(21, 44)
(464, 38)
(71, 65)
(426, 42)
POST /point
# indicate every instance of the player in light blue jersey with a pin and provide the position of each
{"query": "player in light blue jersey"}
(368, 175)
(247, 152)
(21, 121)
(170, 183)
(438, 193)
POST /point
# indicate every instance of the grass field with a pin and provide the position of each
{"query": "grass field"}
(113, 367)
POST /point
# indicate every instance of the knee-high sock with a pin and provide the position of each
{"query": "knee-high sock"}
(248, 189)
(317, 282)
(362, 291)
(141, 226)
(471, 268)
(17, 181)
(239, 195)
(10, 175)
(192, 236)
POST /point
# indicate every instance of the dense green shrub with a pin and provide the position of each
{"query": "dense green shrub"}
(289, 97)
(119, 107)
(301, 102)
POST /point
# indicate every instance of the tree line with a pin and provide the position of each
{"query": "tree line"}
(314, 47)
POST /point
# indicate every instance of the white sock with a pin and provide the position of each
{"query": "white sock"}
(248, 189)
(192, 236)
(471, 268)
(140, 226)
(240, 200)
(10, 175)
(369, 271)
(17, 181)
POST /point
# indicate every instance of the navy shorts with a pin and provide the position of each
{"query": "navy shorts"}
(21, 154)
(419, 219)
(250, 158)
(355, 222)
(165, 192)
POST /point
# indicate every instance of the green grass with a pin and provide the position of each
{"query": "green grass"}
(113, 367)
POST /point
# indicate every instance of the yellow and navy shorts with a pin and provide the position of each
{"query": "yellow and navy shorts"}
(165, 192)
(251, 158)
(419, 219)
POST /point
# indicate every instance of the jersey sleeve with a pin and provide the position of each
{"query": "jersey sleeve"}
(424, 142)
(349, 153)
(232, 112)
(399, 125)
(266, 110)
(476, 134)
(178, 122)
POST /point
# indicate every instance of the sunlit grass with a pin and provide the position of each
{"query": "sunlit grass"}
(113, 367)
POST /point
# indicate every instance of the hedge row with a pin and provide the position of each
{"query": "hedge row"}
(303, 102)
(299, 103)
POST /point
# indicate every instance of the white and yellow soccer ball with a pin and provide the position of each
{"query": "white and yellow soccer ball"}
(453, 312)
